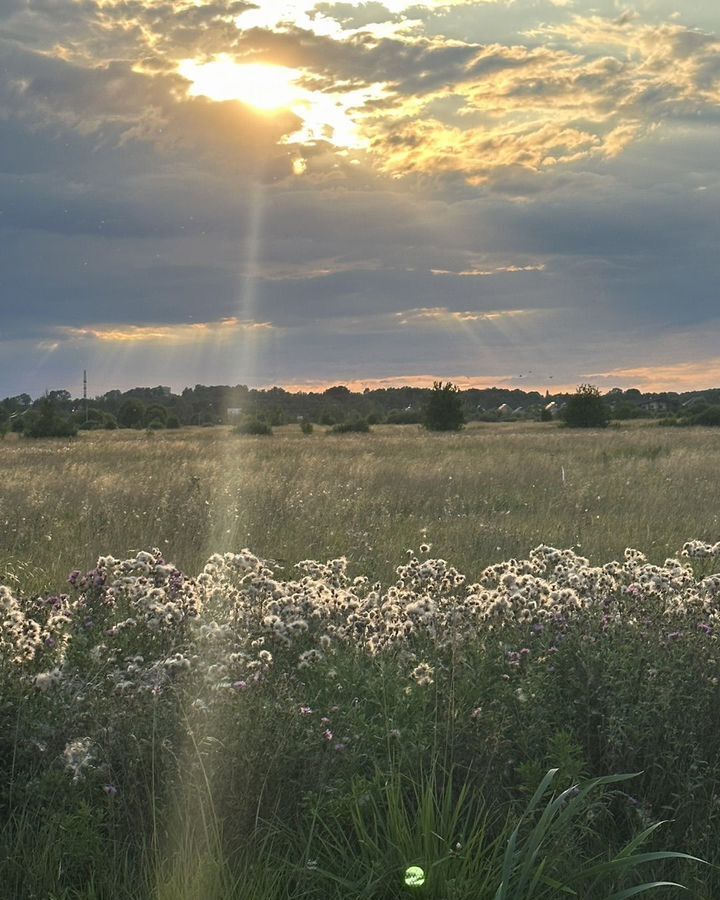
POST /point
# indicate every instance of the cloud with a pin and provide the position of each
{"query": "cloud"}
(441, 315)
(486, 273)
(685, 376)
(195, 332)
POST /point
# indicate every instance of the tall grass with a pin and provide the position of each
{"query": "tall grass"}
(483, 495)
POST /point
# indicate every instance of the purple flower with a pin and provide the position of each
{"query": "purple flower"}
(327, 734)
(74, 576)
(706, 628)
(110, 790)
(305, 711)
(239, 685)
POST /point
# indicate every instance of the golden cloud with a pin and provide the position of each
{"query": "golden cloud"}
(685, 376)
(222, 329)
(441, 315)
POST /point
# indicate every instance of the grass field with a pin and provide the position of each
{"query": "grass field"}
(486, 494)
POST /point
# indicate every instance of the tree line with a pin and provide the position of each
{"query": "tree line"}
(58, 412)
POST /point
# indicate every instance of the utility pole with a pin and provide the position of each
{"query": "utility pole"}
(85, 393)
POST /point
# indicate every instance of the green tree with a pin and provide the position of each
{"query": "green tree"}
(131, 413)
(45, 422)
(155, 413)
(586, 409)
(443, 410)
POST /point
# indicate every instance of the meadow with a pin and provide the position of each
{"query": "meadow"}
(457, 680)
(489, 493)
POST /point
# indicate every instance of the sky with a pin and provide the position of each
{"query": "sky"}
(520, 193)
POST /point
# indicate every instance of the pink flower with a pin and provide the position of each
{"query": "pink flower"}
(324, 720)
(240, 685)
(305, 711)
(327, 734)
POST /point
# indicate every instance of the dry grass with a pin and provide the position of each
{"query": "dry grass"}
(485, 494)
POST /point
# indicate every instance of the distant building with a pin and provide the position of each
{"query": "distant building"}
(504, 409)
(654, 406)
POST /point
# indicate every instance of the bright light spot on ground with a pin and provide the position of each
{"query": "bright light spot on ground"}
(414, 876)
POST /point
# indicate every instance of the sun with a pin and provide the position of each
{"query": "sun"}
(265, 87)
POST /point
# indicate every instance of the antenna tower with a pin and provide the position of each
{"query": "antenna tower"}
(85, 393)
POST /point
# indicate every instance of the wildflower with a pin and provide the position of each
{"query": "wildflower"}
(305, 711)
(78, 756)
(110, 790)
(239, 685)
(327, 735)
(422, 674)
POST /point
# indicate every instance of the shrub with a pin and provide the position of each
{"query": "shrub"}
(155, 425)
(306, 427)
(359, 426)
(403, 417)
(172, 421)
(708, 416)
(586, 409)
(444, 410)
(252, 426)
(45, 422)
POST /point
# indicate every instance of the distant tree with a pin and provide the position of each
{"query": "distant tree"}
(443, 410)
(586, 409)
(155, 412)
(172, 421)
(306, 427)
(546, 415)
(45, 422)
(131, 413)
(624, 410)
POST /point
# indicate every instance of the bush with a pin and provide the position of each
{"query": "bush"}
(306, 427)
(586, 409)
(359, 426)
(45, 422)
(252, 426)
(155, 425)
(444, 409)
(709, 416)
(403, 417)
(172, 421)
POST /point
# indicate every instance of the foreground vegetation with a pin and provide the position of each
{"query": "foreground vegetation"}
(314, 735)
(269, 730)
